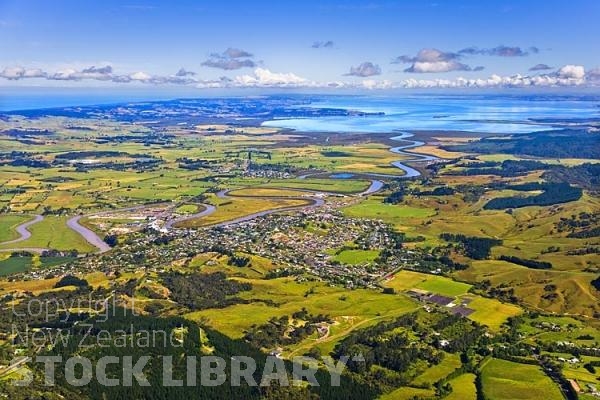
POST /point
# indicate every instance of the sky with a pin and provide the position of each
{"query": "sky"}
(300, 44)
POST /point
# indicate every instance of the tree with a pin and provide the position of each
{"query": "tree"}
(111, 240)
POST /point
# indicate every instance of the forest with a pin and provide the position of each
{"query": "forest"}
(200, 291)
(554, 193)
(564, 143)
(533, 264)
(477, 248)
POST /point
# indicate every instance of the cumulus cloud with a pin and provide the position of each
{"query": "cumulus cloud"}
(230, 59)
(437, 66)
(571, 72)
(501, 51)
(432, 60)
(264, 78)
(364, 70)
(568, 75)
(540, 67)
(372, 84)
(16, 73)
(140, 76)
(322, 44)
(103, 73)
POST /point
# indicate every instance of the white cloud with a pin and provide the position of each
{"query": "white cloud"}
(374, 84)
(437, 66)
(64, 75)
(365, 69)
(432, 60)
(264, 77)
(568, 75)
(140, 76)
(572, 72)
(15, 73)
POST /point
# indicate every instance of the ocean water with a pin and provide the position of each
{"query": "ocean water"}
(490, 114)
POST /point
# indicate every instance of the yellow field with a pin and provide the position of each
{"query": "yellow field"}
(489, 312)
(574, 289)
(436, 151)
(233, 208)
(267, 192)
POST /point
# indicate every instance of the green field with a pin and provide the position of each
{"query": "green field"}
(355, 257)
(439, 371)
(187, 209)
(406, 280)
(350, 309)
(463, 388)
(14, 265)
(392, 213)
(408, 393)
(490, 312)
(508, 380)
(8, 223)
(345, 186)
(53, 233)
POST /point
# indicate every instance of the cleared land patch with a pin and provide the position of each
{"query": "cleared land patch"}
(508, 380)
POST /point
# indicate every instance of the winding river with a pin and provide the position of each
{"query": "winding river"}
(22, 230)
(224, 194)
(90, 236)
(376, 185)
(409, 171)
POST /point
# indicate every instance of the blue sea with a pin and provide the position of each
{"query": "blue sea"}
(491, 114)
(475, 113)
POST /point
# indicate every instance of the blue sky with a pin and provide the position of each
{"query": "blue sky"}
(298, 43)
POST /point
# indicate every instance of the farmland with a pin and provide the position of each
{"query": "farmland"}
(8, 223)
(505, 380)
(274, 241)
